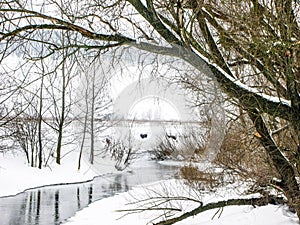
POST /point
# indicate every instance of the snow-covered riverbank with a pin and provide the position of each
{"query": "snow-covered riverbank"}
(109, 210)
(16, 176)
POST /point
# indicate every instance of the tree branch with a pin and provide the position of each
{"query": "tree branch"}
(63, 25)
(249, 98)
(155, 22)
(84, 32)
(215, 52)
(253, 201)
(245, 53)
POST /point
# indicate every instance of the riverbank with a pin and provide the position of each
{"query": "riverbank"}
(116, 210)
(16, 176)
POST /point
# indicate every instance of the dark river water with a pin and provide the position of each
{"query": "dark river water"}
(54, 204)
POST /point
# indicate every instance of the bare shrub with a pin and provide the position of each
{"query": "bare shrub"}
(119, 152)
(193, 145)
(189, 147)
(164, 149)
(241, 158)
(241, 153)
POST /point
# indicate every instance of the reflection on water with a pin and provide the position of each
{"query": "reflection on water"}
(120, 183)
(55, 204)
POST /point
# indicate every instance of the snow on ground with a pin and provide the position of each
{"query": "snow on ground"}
(16, 176)
(107, 211)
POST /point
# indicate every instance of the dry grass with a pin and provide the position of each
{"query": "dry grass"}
(200, 180)
(241, 156)
(242, 153)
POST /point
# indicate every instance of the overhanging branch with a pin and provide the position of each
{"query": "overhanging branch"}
(59, 24)
(84, 32)
(249, 98)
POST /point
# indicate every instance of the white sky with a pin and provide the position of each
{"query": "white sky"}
(153, 108)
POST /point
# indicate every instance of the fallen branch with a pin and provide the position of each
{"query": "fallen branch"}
(253, 201)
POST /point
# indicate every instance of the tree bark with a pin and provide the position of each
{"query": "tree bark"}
(287, 174)
(40, 143)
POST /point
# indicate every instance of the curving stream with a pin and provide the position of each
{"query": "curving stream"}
(54, 204)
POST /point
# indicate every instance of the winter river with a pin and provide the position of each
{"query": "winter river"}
(56, 203)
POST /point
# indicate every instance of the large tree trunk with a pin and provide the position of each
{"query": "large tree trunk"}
(287, 174)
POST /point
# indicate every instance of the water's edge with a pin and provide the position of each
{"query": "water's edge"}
(55, 203)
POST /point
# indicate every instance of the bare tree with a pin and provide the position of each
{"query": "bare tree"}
(84, 130)
(23, 122)
(93, 104)
(59, 92)
(24, 129)
(40, 119)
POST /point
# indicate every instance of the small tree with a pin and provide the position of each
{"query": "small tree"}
(93, 104)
